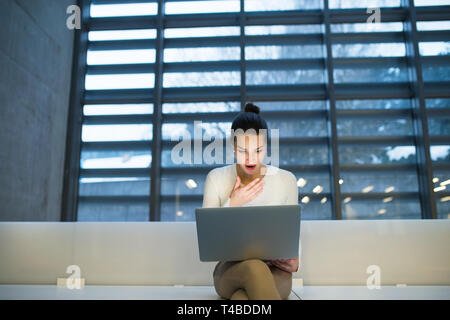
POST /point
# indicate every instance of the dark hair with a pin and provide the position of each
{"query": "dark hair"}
(250, 119)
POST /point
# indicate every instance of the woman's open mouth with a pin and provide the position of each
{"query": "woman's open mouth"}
(250, 167)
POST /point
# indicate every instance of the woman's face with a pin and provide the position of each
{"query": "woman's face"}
(250, 150)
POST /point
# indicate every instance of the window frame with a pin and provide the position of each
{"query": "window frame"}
(414, 89)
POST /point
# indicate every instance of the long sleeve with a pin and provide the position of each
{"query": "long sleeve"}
(210, 193)
(292, 190)
(227, 203)
(292, 198)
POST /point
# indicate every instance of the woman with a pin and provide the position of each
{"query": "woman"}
(250, 182)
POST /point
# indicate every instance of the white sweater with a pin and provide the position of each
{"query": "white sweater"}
(280, 188)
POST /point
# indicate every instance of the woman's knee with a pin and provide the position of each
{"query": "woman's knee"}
(255, 268)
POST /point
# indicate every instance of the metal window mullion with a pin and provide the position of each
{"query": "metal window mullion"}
(420, 121)
(155, 178)
(291, 17)
(331, 121)
(243, 89)
(69, 202)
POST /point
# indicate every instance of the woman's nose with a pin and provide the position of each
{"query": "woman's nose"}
(251, 159)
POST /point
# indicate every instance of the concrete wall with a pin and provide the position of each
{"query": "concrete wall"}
(35, 69)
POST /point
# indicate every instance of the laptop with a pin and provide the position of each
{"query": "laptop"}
(249, 232)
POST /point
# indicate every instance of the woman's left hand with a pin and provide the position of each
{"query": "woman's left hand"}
(289, 265)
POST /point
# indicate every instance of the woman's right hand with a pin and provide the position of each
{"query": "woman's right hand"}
(242, 195)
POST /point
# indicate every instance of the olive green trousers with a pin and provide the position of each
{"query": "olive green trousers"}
(251, 279)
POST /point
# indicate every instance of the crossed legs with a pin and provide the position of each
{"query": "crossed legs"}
(251, 279)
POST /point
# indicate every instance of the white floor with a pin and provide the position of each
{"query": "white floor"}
(52, 292)
(363, 293)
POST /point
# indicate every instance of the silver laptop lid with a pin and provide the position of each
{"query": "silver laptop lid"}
(251, 232)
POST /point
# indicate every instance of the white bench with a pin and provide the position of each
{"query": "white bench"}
(159, 260)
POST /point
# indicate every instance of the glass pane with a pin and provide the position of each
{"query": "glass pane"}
(124, 9)
(369, 50)
(131, 186)
(179, 131)
(315, 210)
(201, 79)
(441, 180)
(283, 29)
(183, 7)
(184, 134)
(120, 81)
(373, 104)
(213, 149)
(201, 107)
(439, 126)
(436, 73)
(317, 182)
(120, 56)
(438, 48)
(291, 105)
(376, 154)
(284, 77)
(179, 210)
(443, 207)
(441, 185)
(113, 212)
(299, 127)
(115, 159)
(374, 127)
(114, 209)
(438, 103)
(179, 186)
(183, 184)
(268, 5)
(363, 3)
(283, 52)
(367, 27)
(440, 154)
(387, 182)
(120, 132)
(390, 74)
(433, 25)
(431, 2)
(202, 54)
(303, 155)
(201, 32)
(377, 209)
(116, 109)
(106, 35)
(174, 158)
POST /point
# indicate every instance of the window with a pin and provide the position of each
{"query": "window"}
(362, 108)
(434, 48)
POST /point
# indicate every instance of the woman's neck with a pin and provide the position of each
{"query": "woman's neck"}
(245, 178)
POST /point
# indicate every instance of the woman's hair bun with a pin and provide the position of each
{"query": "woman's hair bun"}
(250, 107)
